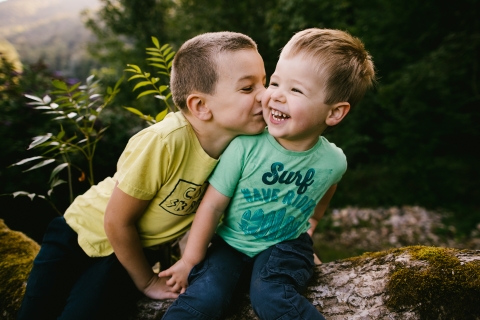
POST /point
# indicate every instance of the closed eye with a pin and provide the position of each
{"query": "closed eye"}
(273, 84)
(296, 90)
(247, 89)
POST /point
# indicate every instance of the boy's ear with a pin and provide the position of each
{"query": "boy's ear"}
(337, 113)
(197, 106)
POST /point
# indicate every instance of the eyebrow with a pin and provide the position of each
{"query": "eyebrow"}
(250, 77)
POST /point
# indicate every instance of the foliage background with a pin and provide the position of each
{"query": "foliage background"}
(413, 140)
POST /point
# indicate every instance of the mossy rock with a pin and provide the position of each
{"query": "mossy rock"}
(17, 252)
(434, 282)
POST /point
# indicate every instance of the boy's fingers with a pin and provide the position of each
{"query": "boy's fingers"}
(170, 295)
(171, 282)
(164, 273)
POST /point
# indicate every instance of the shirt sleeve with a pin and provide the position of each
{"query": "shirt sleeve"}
(229, 169)
(141, 168)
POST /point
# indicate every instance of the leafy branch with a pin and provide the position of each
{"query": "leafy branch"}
(161, 58)
(77, 106)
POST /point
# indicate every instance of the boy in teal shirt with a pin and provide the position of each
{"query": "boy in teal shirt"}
(274, 188)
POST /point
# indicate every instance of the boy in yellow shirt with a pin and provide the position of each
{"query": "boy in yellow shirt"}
(95, 260)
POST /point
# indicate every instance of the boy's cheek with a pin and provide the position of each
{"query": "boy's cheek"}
(266, 98)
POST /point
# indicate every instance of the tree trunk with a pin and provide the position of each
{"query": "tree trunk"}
(415, 282)
(405, 283)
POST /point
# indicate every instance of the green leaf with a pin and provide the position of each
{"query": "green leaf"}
(162, 88)
(133, 110)
(39, 140)
(40, 164)
(60, 135)
(169, 64)
(60, 85)
(164, 47)
(144, 93)
(62, 99)
(25, 161)
(75, 86)
(131, 70)
(137, 68)
(156, 59)
(170, 56)
(56, 183)
(167, 51)
(156, 54)
(161, 115)
(118, 83)
(155, 42)
(57, 169)
(158, 65)
(141, 84)
(136, 77)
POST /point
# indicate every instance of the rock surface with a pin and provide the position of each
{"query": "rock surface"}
(360, 288)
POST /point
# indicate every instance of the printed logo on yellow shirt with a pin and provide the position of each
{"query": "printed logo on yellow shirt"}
(184, 199)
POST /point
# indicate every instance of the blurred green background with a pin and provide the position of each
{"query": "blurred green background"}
(413, 140)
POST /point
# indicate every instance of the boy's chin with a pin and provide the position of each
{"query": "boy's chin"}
(259, 130)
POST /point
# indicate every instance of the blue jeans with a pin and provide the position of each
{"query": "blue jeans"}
(277, 277)
(67, 284)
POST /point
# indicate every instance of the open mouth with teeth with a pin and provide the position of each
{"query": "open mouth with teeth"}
(279, 116)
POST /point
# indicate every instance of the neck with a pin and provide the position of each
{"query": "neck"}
(212, 140)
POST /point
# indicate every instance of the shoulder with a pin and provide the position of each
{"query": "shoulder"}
(247, 142)
(332, 148)
(333, 154)
(173, 127)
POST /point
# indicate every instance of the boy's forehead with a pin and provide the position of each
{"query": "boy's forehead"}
(240, 65)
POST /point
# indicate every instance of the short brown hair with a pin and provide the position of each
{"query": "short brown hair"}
(341, 60)
(195, 68)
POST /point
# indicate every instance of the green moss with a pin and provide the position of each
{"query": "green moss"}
(443, 289)
(17, 252)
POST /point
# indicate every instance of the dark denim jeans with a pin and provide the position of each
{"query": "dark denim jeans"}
(67, 284)
(277, 276)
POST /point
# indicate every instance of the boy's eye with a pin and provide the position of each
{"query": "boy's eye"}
(273, 84)
(247, 89)
(296, 90)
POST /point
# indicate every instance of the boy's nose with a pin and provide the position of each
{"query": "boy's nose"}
(277, 95)
(260, 94)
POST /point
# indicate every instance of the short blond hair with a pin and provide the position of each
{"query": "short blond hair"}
(195, 67)
(339, 58)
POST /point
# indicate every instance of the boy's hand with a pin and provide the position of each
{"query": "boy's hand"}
(159, 290)
(178, 274)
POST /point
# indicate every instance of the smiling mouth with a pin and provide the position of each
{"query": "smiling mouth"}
(279, 116)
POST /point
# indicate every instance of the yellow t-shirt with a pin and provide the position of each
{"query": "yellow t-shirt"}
(164, 163)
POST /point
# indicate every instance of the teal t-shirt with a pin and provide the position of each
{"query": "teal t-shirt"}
(273, 191)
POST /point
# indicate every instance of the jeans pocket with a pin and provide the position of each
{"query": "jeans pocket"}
(290, 262)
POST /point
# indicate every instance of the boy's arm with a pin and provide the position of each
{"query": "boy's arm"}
(205, 223)
(121, 215)
(320, 209)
